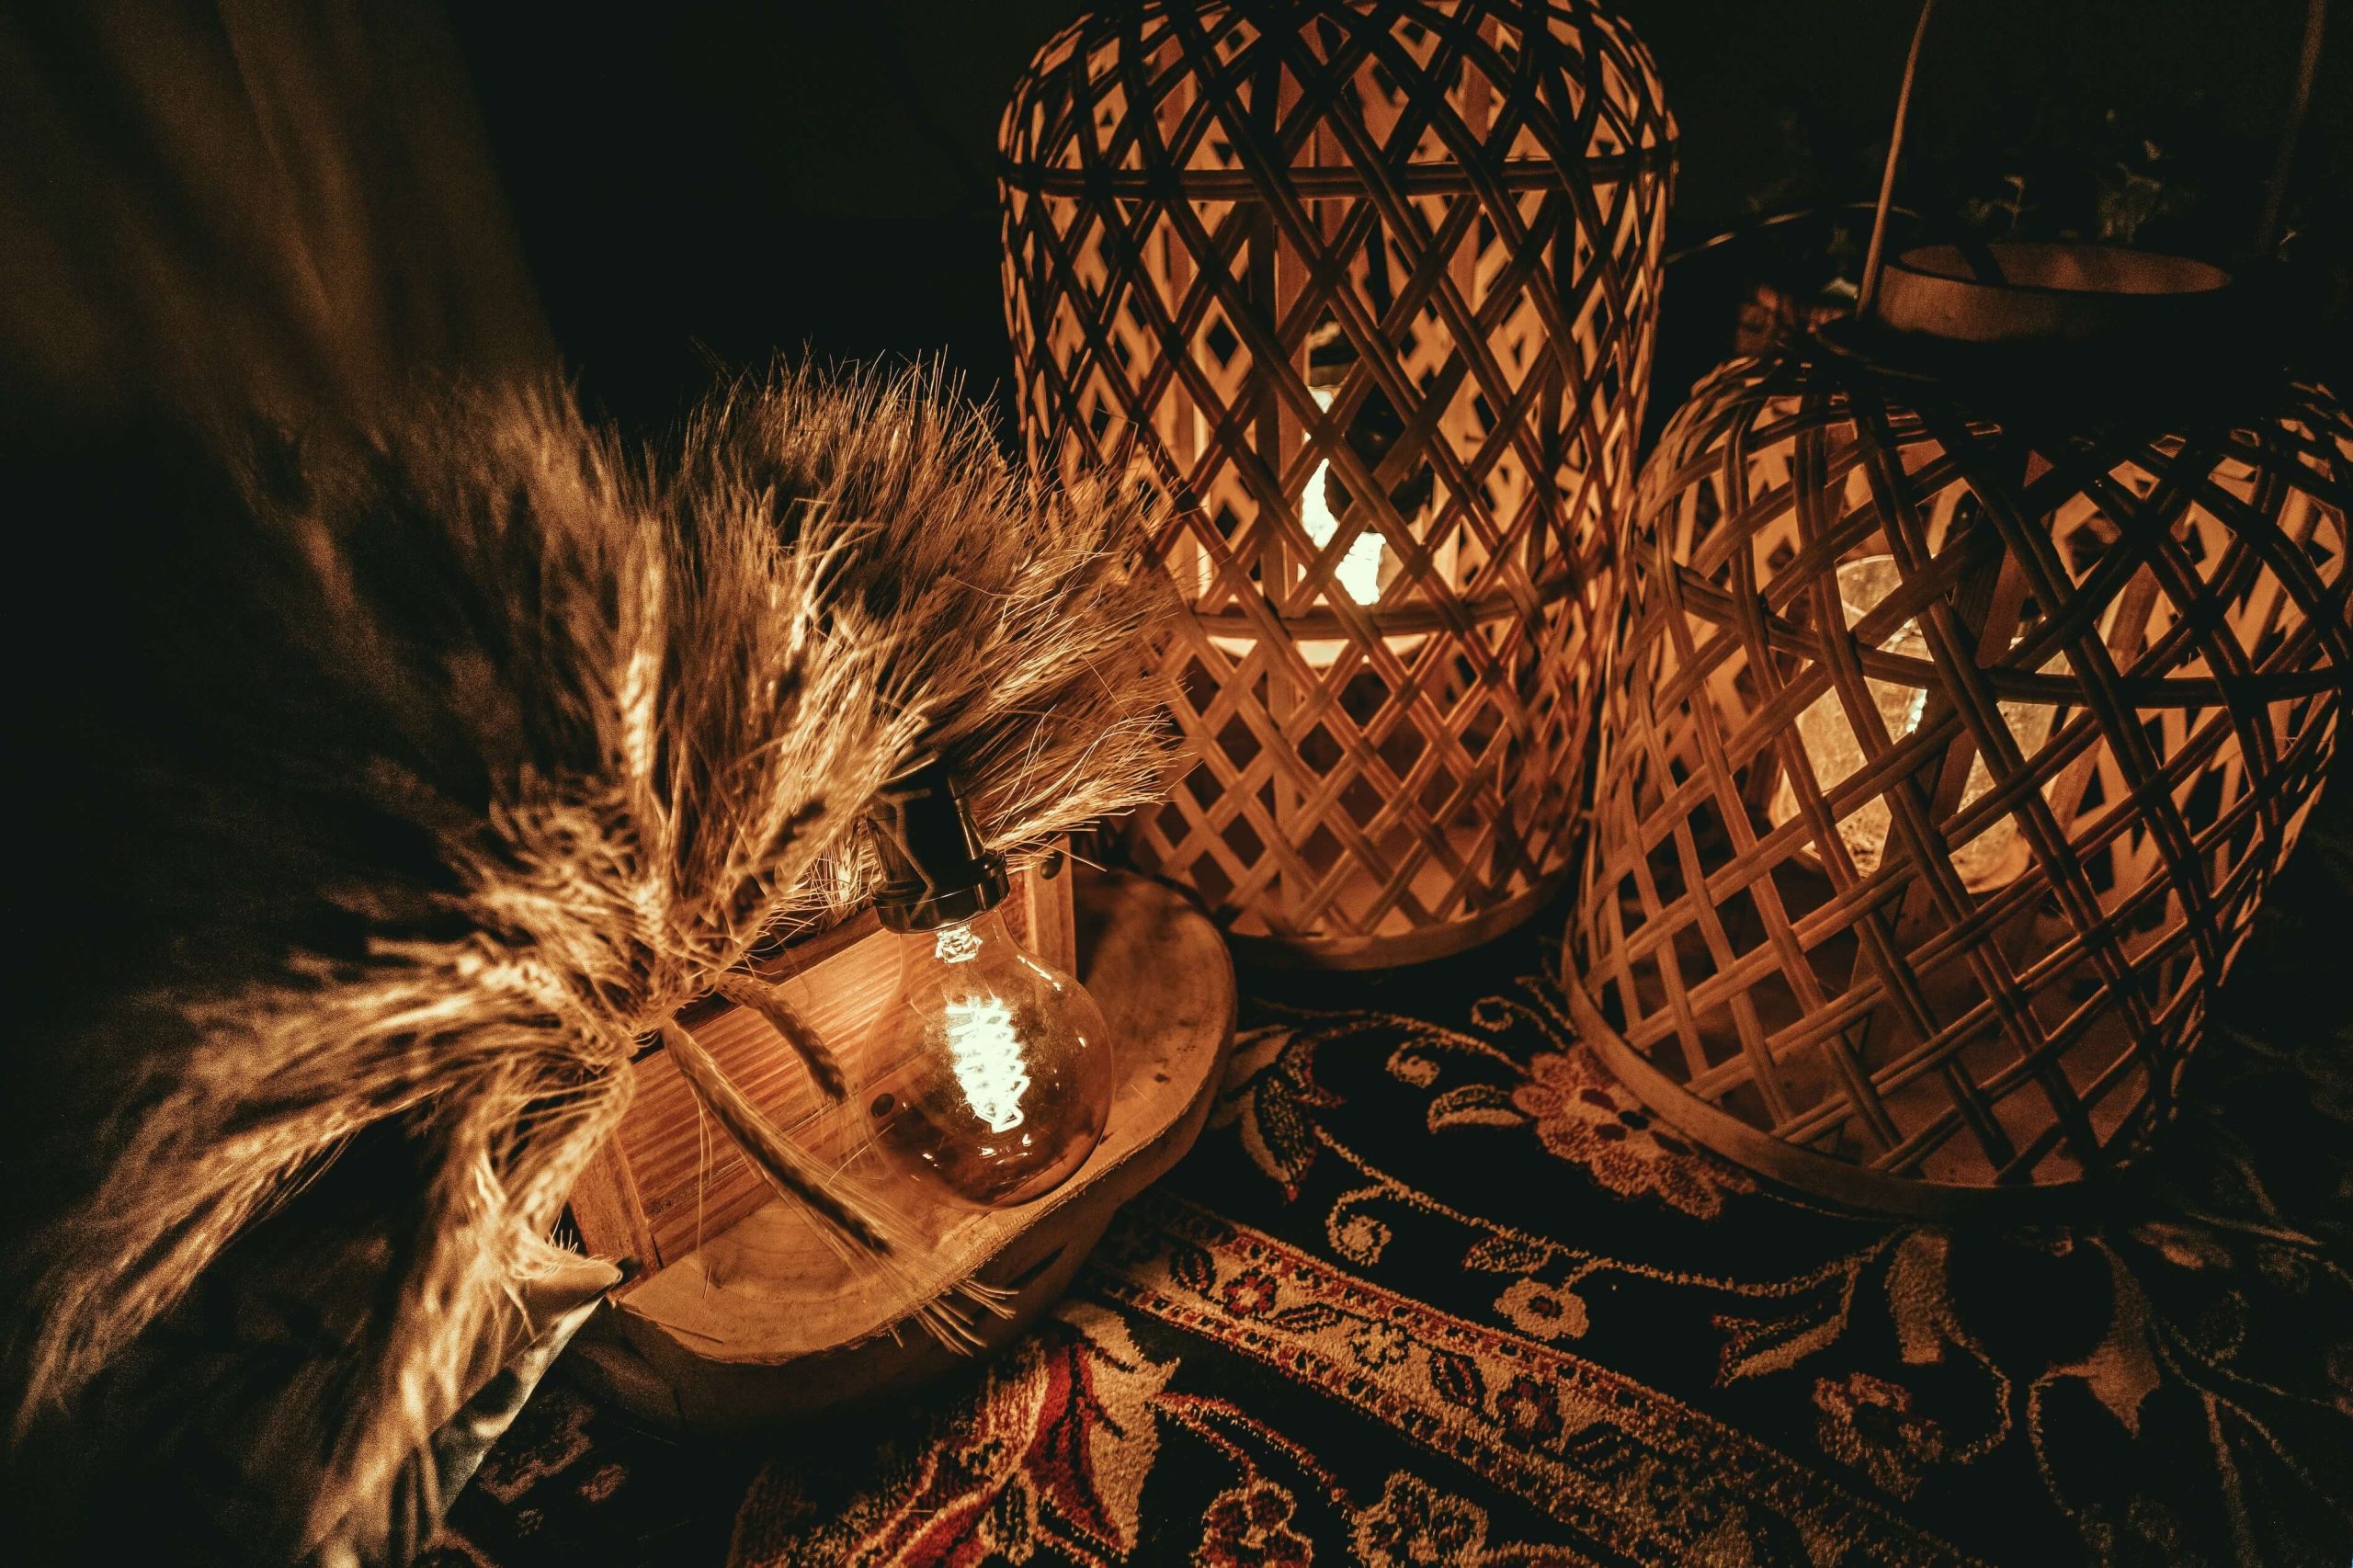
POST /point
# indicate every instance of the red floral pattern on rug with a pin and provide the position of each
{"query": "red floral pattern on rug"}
(1249, 1527)
(1415, 1523)
(1052, 1455)
(1584, 1117)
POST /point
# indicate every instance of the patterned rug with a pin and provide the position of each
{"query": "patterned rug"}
(1432, 1289)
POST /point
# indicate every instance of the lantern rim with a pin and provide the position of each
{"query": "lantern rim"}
(1045, 147)
(1032, 175)
(2068, 267)
(1862, 1188)
(2045, 292)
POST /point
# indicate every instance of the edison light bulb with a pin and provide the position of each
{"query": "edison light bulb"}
(997, 1075)
(993, 1076)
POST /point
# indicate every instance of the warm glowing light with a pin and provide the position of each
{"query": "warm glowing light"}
(994, 1081)
(1359, 570)
(1988, 860)
(985, 1053)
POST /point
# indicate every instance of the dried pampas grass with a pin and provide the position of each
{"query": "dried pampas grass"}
(600, 719)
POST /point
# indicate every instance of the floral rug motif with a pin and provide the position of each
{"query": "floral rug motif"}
(1432, 1288)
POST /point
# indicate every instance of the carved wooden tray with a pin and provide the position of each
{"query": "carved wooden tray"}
(764, 1321)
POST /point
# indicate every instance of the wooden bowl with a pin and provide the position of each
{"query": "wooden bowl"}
(765, 1322)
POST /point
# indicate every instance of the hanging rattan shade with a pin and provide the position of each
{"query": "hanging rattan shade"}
(1947, 755)
(1367, 292)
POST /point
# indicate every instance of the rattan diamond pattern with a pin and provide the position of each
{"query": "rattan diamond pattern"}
(1366, 293)
(1945, 762)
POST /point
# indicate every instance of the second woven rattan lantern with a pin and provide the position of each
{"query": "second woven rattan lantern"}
(1972, 688)
(1366, 291)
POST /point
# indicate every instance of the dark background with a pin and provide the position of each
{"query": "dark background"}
(701, 185)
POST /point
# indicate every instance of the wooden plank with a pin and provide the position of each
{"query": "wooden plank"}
(668, 1178)
(606, 1212)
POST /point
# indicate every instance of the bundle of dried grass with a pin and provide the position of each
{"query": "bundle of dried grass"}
(555, 732)
(1009, 611)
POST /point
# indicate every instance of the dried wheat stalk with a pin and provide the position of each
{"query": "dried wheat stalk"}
(617, 714)
(1015, 609)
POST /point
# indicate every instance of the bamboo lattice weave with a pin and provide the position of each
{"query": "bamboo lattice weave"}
(1366, 293)
(1946, 761)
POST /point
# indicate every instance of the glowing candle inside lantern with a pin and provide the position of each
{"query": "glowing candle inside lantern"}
(1994, 857)
(1359, 569)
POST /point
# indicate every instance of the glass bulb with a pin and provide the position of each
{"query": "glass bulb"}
(996, 1079)
(1988, 860)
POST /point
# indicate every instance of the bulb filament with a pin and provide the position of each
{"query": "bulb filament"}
(986, 1054)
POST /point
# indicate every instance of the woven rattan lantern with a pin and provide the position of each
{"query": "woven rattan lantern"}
(1969, 692)
(1366, 291)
